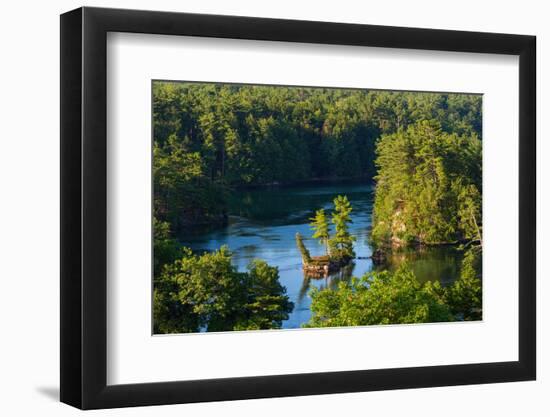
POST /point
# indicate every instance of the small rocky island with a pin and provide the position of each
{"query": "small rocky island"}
(319, 266)
(338, 246)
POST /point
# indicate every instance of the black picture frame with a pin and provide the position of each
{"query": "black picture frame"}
(84, 207)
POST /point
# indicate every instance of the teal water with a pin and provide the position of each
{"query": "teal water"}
(263, 224)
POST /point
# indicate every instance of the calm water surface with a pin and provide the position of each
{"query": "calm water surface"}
(263, 224)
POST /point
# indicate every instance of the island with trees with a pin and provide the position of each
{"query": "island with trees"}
(338, 248)
(283, 207)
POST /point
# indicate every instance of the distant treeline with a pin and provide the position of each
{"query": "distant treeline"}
(208, 137)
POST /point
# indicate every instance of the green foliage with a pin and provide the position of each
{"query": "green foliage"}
(206, 292)
(307, 132)
(208, 137)
(464, 296)
(266, 303)
(340, 246)
(165, 248)
(319, 224)
(183, 194)
(306, 257)
(428, 187)
(378, 298)
(469, 210)
(397, 298)
(341, 243)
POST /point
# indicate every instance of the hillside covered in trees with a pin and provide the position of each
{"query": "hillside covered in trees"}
(428, 187)
(211, 137)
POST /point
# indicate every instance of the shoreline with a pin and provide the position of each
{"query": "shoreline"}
(310, 181)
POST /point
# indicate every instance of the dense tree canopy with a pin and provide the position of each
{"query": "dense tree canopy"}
(398, 298)
(206, 292)
(464, 296)
(183, 194)
(377, 298)
(208, 137)
(428, 186)
(165, 248)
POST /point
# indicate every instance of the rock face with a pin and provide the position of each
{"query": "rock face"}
(392, 231)
(321, 266)
(398, 228)
(318, 266)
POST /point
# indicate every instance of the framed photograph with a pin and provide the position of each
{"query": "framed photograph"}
(257, 208)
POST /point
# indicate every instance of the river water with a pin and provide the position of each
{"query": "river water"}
(263, 224)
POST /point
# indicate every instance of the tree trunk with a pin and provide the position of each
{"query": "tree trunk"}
(477, 229)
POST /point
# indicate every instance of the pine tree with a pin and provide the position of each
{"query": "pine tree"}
(319, 224)
(342, 242)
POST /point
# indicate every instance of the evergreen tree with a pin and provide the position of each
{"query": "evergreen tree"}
(428, 187)
(342, 242)
(319, 224)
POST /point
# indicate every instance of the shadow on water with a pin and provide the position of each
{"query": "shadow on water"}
(428, 263)
(263, 223)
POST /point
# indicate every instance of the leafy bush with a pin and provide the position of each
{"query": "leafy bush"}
(378, 298)
(206, 292)
(398, 298)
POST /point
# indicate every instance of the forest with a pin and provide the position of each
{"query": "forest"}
(211, 137)
(422, 152)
